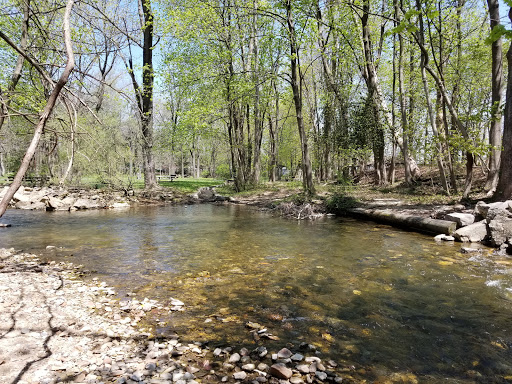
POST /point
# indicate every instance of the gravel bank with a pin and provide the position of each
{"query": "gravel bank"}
(54, 327)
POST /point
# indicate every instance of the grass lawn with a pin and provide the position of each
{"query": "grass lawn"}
(187, 185)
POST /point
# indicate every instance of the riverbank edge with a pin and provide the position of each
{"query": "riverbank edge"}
(447, 222)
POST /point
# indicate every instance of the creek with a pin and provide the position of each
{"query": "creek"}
(364, 294)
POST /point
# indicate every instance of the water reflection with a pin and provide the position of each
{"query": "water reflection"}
(366, 294)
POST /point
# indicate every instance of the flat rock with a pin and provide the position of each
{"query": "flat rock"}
(85, 204)
(462, 219)
(280, 371)
(297, 357)
(303, 368)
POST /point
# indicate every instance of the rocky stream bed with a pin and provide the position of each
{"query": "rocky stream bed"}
(57, 327)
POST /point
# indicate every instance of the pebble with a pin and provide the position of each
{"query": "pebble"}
(240, 375)
(244, 352)
(312, 359)
(249, 367)
(297, 357)
(284, 353)
(234, 358)
(321, 375)
(261, 351)
(303, 368)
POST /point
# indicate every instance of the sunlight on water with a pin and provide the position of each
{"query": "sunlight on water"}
(367, 295)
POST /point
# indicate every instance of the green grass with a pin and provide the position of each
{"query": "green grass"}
(189, 185)
(229, 189)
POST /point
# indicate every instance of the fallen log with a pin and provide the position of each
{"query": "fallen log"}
(403, 220)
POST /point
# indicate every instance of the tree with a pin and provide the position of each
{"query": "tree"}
(496, 99)
(296, 81)
(504, 187)
(50, 104)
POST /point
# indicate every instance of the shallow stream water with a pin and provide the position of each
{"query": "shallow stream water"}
(367, 295)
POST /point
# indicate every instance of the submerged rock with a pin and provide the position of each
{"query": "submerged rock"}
(443, 237)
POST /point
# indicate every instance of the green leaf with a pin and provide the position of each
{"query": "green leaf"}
(496, 33)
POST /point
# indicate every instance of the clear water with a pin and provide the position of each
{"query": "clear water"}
(367, 295)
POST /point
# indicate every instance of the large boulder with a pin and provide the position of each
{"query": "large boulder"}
(206, 194)
(20, 195)
(39, 196)
(82, 203)
(29, 205)
(120, 205)
(499, 221)
(472, 233)
(482, 208)
(57, 204)
(462, 219)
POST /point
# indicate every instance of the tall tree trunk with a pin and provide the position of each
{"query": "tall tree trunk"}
(325, 139)
(50, 104)
(147, 97)
(504, 187)
(375, 93)
(496, 101)
(455, 117)
(401, 98)
(296, 83)
(456, 89)
(423, 64)
(258, 123)
(273, 124)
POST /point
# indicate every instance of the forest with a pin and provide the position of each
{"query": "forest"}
(252, 91)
